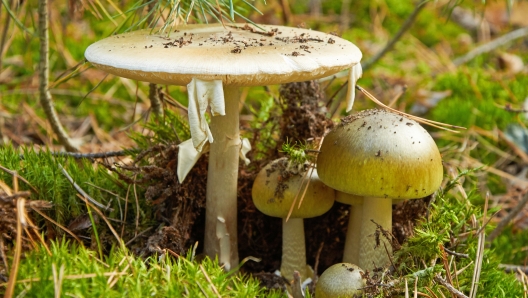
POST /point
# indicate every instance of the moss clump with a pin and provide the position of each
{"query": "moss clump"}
(450, 226)
(76, 271)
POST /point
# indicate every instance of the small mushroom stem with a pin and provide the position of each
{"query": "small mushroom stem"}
(378, 210)
(355, 221)
(221, 195)
(293, 248)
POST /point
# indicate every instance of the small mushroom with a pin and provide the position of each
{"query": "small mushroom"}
(340, 280)
(214, 62)
(381, 156)
(275, 188)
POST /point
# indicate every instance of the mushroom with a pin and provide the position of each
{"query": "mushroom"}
(214, 62)
(340, 280)
(381, 156)
(277, 189)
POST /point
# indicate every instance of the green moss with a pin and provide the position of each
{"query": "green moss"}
(450, 225)
(121, 274)
(511, 245)
(42, 170)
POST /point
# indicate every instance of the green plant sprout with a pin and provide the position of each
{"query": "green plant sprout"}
(298, 152)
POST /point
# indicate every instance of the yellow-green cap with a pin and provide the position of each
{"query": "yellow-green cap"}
(376, 153)
(277, 184)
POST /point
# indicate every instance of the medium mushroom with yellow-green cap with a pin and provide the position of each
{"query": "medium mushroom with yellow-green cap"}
(277, 189)
(341, 280)
(381, 156)
(214, 62)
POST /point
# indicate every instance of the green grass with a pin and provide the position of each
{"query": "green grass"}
(77, 272)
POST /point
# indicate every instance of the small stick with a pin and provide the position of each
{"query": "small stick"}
(215, 290)
(449, 287)
(82, 192)
(404, 28)
(490, 46)
(513, 268)
(456, 254)
(317, 256)
(10, 287)
(446, 266)
(77, 155)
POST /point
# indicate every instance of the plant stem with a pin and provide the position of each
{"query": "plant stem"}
(222, 178)
(45, 97)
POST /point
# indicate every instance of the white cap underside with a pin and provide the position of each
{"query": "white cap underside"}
(235, 55)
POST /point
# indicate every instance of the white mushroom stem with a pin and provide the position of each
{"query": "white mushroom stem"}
(221, 196)
(352, 244)
(378, 210)
(355, 221)
(293, 248)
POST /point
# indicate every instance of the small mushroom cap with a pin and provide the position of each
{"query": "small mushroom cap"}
(340, 280)
(239, 55)
(276, 186)
(376, 153)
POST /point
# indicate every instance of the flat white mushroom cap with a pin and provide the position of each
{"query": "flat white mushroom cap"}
(237, 55)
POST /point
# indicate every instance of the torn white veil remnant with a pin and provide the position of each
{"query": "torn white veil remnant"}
(201, 95)
(188, 156)
(353, 76)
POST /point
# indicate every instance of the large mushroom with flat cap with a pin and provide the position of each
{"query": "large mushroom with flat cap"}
(277, 191)
(381, 156)
(214, 62)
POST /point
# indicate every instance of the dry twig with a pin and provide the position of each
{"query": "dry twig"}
(492, 45)
(404, 28)
(449, 287)
(81, 191)
(45, 96)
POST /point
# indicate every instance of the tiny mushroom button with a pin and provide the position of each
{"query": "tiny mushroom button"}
(214, 62)
(381, 156)
(341, 280)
